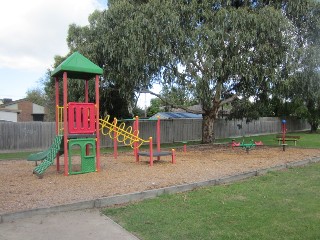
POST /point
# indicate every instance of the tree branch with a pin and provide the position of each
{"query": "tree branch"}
(172, 104)
(230, 99)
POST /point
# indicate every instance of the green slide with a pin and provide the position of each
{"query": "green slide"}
(47, 156)
(38, 156)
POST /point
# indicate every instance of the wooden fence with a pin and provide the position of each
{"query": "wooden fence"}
(39, 135)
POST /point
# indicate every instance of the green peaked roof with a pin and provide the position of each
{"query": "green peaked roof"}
(77, 66)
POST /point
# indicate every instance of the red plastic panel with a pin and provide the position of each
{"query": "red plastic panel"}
(81, 118)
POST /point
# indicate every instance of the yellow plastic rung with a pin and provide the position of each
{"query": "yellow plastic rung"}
(124, 135)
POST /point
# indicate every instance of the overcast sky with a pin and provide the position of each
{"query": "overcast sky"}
(31, 34)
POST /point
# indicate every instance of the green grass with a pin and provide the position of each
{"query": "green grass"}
(307, 140)
(14, 155)
(279, 205)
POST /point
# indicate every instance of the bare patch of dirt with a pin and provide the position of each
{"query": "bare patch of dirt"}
(21, 190)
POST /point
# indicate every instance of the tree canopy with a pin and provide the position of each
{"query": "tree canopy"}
(207, 51)
(216, 50)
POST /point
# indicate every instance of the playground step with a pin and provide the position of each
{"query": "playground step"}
(155, 154)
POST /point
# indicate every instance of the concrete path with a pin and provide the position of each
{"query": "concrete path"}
(73, 225)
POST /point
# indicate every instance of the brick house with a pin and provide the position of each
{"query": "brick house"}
(8, 115)
(28, 111)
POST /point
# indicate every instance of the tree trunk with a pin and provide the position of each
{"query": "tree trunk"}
(314, 127)
(208, 128)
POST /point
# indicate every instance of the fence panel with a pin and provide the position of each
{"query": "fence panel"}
(39, 135)
(26, 135)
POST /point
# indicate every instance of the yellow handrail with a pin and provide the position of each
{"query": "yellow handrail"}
(60, 120)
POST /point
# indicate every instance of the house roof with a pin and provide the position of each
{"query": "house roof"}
(78, 67)
(176, 115)
(14, 102)
(10, 106)
(9, 110)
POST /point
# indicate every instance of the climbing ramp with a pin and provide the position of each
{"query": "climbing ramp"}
(48, 156)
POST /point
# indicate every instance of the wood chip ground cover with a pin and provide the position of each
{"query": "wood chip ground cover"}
(21, 190)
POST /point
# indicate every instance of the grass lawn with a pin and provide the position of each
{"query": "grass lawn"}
(14, 155)
(278, 205)
(307, 140)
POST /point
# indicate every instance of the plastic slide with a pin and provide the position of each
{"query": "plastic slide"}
(48, 156)
(38, 156)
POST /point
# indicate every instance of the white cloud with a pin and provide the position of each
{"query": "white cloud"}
(32, 32)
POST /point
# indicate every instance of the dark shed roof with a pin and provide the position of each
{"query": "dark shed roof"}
(175, 115)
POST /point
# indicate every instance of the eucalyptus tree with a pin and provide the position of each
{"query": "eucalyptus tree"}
(130, 59)
(215, 51)
(231, 51)
(302, 92)
(88, 41)
(218, 50)
(309, 79)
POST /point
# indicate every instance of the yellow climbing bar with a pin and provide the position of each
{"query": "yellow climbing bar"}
(127, 136)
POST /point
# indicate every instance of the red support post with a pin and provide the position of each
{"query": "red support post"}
(135, 144)
(86, 92)
(65, 123)
(173, 156)
(115, 141)
(86, 100)
(151, 152)
(158, 137)
(97, 124)
(284, 131)
(57, 117)
(57, 104)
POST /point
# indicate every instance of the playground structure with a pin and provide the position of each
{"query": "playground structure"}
(129, 136)
(158, 153)
(246, 146)
(78, 125)
(121, 134)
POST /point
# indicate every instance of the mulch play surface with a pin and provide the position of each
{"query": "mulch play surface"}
(21, 190)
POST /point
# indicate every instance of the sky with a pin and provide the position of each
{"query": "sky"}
(31, 34)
